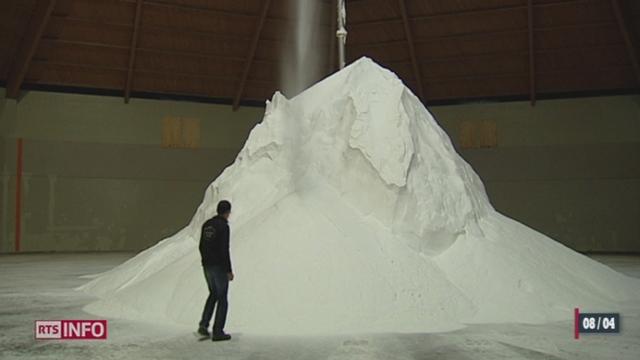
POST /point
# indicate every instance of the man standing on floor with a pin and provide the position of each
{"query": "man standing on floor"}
(216, 263)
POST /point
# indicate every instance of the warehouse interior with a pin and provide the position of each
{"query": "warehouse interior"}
(115, 116)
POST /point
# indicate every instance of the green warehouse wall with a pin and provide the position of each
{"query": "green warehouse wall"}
(95, 174)
(97, 178)
(569, 168)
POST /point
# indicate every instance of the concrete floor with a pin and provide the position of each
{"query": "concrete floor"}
(40, 286)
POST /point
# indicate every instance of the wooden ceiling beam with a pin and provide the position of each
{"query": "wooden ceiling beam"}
(484, 33)
(494, 56)
(221, 13)
(412, 50)
(395, 20)
(171, 52)
(132, 51)
(266, 62)
(160, 73)
(626, 36)
(155, 29)
(532, 53)
(252, 53)
(524, 74)
(28, 46)
(501, 53)
(276, 42)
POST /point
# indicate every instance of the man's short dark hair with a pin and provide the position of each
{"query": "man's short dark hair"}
(223, 207)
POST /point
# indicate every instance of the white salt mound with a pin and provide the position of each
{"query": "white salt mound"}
(352, 212)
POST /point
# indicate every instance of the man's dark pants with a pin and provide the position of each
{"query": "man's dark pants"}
(218, 283)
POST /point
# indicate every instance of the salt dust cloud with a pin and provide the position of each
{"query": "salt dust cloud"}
(302, 50)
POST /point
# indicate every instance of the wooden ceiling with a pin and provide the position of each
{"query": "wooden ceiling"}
(231, 50)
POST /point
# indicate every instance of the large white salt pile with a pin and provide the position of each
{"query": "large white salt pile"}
(353, 213)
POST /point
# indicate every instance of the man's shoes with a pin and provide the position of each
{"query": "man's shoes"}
(220, 337)
(203, 331)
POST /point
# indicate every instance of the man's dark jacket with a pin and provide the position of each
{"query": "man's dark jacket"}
(214, 243)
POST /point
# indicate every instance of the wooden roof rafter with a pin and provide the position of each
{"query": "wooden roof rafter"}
(242, 16)
(499, 9)
(28, 47)
(626, 36)
(252, 53)
(132, 52)
(412, 50)
(532, 54)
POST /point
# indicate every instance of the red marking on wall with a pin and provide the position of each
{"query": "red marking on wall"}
(18, 193)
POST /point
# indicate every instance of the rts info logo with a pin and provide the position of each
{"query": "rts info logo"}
(71, 329)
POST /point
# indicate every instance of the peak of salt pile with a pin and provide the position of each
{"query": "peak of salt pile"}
(353, 213)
